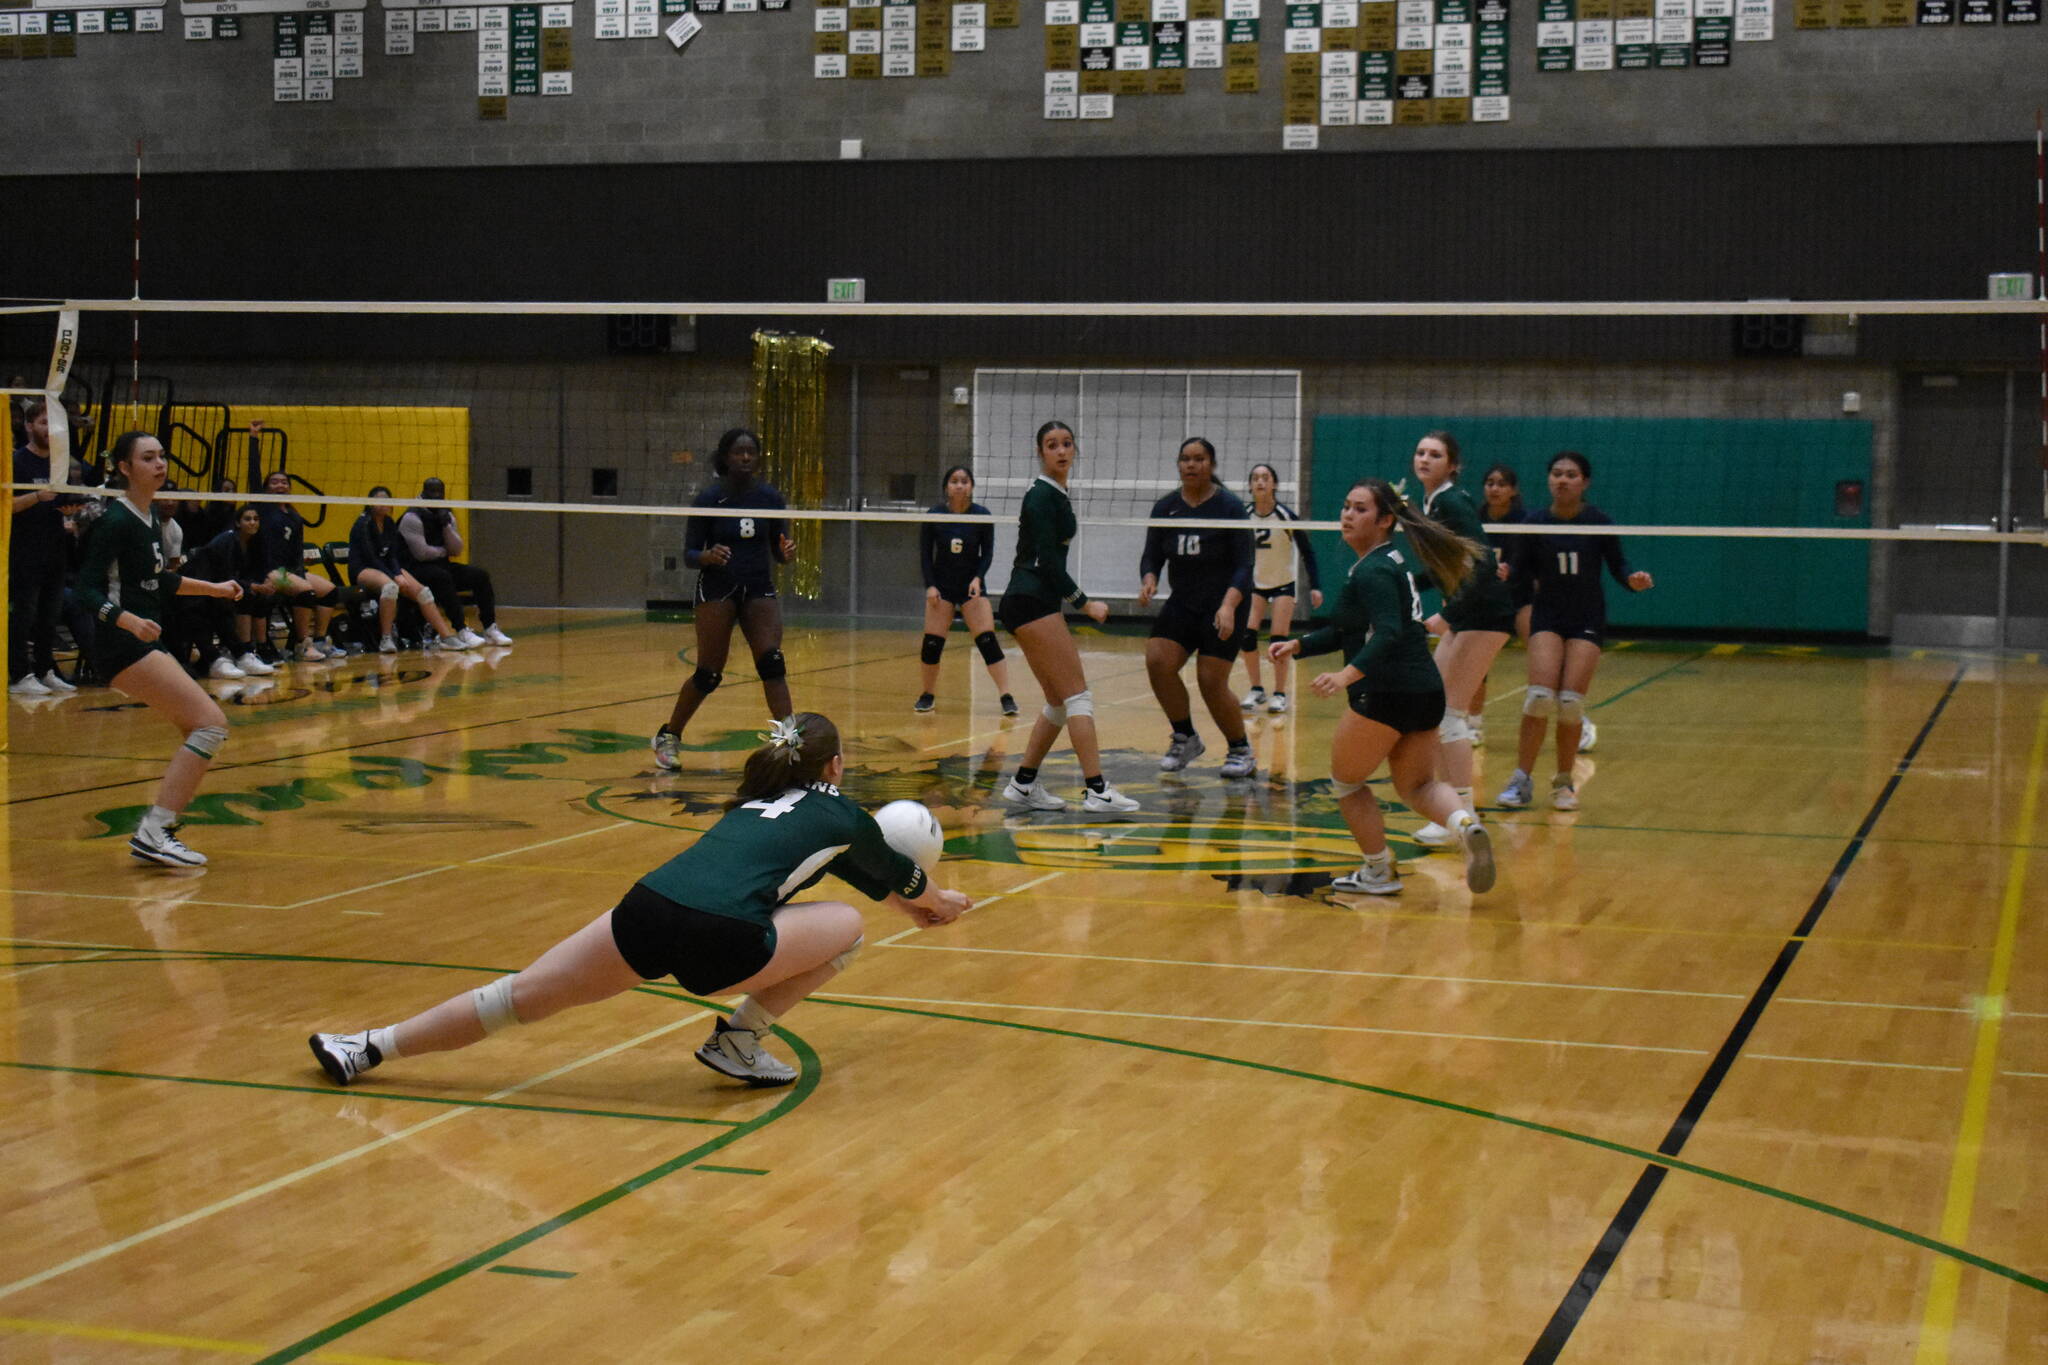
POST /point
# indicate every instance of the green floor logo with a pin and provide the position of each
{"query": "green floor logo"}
(368, 773)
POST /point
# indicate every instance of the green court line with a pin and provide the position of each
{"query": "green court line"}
(806, 1082)
(732, 1170)
(1660, 673)
(354, 1093)
(808, 1078)
(1530, 1125)
(529, 1270)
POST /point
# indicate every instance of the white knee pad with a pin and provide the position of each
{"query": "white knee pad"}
(845, 959)
(388, 593)
(426, 597)
(494, 1005)
(1456, 726)
(1056, 714)
(1341, 789)
(1082, 703)
(207, 740)
(1571, 708)
(1539, 702)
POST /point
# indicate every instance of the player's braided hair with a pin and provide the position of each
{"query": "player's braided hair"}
(794, 755)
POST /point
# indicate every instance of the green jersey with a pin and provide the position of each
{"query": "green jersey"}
(124, 567)
(1452, 508)
(1044, 529)
(763, 852)
(1378, 624)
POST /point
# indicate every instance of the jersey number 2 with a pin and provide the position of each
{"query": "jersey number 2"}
(779, 807)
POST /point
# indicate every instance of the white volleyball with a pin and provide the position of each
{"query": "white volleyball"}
(912, 831)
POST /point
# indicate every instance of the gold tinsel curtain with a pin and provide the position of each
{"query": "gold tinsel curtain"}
(788, 410)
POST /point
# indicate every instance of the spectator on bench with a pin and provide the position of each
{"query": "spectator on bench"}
(431, 545)
(36, 559)
(284, 542)
(224, 632)
(376, 557)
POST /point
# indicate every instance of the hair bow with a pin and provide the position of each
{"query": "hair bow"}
(784, 734)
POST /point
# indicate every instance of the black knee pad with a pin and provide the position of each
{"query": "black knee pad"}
(991, 649)
(705, 681)
(934, 646)
(1247, 641)
(770, 666)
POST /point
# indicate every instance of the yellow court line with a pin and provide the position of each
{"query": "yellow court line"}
(1937, 1323)
(127, 1337)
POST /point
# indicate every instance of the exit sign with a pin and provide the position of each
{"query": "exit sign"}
(846, 291)
(2012, 286)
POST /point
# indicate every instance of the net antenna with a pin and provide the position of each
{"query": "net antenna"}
(135, 280)
(63, 352)
(2041, 282)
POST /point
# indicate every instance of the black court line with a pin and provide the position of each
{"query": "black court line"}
(1558, 1332)
(431, 734)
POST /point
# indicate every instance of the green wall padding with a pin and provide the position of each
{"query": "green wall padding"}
(1661, 471)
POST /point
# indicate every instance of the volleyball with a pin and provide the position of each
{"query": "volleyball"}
(913, 831)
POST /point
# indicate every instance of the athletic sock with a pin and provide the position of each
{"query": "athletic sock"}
(1460, 819)
(383, 1043)
(751, 1017)
(1242, 743)
(1465, 797)
(1383, 858)
(1096, 784)
(156, 820)
(1185, 726)
(1026, 776)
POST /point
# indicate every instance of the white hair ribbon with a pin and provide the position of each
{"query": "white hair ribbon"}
(784, 734)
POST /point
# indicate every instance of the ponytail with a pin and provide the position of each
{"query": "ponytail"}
(794, 754)
(1448, 556)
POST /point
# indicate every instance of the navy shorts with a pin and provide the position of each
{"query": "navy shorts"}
(1571, 629)
(1284, 590)
(738, 591)
(954, 590)
(702, 951)
(1194, 630)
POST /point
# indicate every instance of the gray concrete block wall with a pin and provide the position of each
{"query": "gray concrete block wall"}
(743, 91)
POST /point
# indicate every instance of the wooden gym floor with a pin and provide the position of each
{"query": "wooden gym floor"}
(1745, 1061)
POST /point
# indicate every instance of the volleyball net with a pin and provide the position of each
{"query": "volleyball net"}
(1854, 468)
